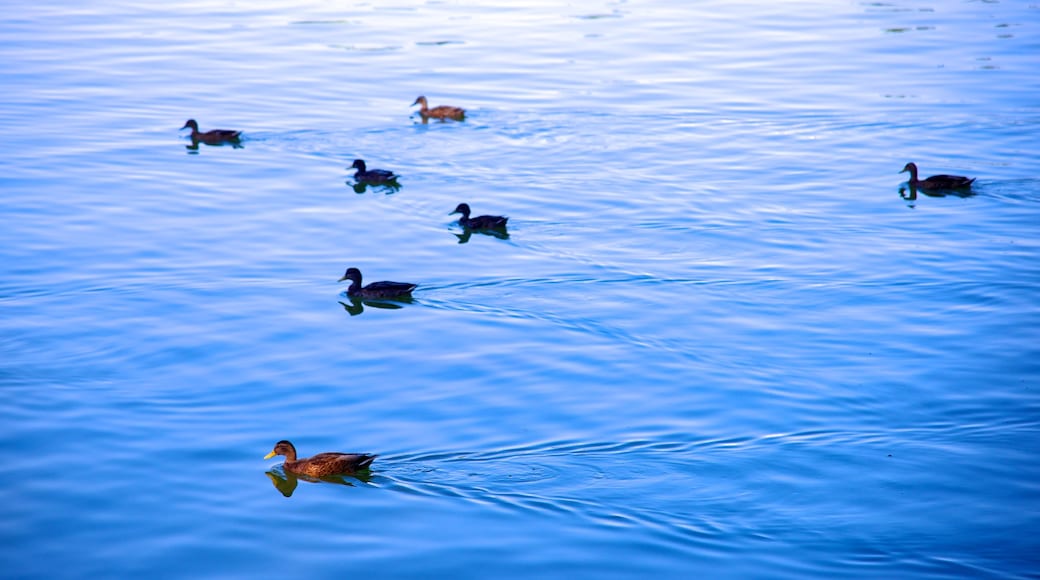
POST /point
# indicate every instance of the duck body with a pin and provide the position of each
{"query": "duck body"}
(936, 182)
(439, 112)
(480, 222)
(322, 464)
(213, 136)
(372, 176)
(383, 289)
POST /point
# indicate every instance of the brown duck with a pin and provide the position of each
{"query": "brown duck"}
(375, 289)
(322, 464)
(213, 136)
(439, 112)
(936, 182)
(480, 222)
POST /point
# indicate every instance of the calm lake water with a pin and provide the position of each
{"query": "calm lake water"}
(720, 340)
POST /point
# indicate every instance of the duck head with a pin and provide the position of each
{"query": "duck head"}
(352, 274)
(285, 448)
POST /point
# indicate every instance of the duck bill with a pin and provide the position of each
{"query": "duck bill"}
(342, 279)
(270, 455)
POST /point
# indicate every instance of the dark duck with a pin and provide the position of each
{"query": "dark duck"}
(375, 289)
(322, 464)
(213, 136)
(372, 176)
(936, 182)
(480, 222)
(439, 112)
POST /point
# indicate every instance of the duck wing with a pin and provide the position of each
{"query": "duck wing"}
(485, 222)
(387, 289)
(947, 181)
(219, 135)
(376, 176)
(336, 463)
(223, 133)
(445, 111)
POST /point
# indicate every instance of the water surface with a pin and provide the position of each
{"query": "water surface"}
(721, 338)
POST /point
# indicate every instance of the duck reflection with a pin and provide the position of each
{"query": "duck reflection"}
(286, 481)
(194, 147)
(360, 187)
(500, 233)
(909, 192)
(357, 305)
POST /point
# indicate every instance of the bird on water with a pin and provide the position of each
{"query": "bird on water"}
(383, 289)
(213, 136)
(936, 182)
(322, 464)
(439, 112)
(372, 176)
(480, 222)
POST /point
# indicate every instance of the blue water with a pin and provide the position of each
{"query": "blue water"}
(722, 339)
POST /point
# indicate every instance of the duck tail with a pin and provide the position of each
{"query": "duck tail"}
(364, 463)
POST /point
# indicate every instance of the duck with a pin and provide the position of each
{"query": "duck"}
(439, 112)
(375, 289)
(480, 222)
(936, 182)
(213, 136)
(372, 176)
(322, 464)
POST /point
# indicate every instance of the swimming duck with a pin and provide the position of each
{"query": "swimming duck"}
(936, 181)
(213, 136)
(322, 464)
(375, 289)
(439, 112)
(372, 176)
(481, 222)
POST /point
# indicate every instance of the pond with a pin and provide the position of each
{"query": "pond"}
(720, 335)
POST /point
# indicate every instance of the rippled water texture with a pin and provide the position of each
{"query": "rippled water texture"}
(720, 337)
